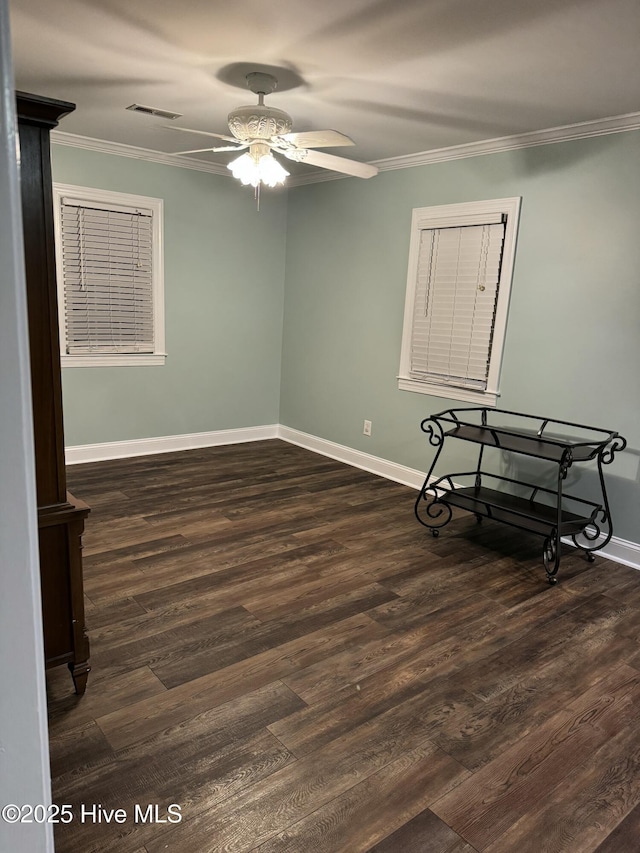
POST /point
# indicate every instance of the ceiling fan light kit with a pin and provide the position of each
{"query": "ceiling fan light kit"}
(258, 166)
(264, 129)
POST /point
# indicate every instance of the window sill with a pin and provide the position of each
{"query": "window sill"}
(449, 392)
(114, 360)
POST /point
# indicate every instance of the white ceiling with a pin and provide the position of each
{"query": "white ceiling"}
(398, 76)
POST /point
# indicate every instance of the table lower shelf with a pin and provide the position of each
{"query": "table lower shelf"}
(510, 509)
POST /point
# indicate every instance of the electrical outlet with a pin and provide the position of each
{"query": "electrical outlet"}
(367, 428)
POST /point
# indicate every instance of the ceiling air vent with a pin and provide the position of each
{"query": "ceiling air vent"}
(154, 111)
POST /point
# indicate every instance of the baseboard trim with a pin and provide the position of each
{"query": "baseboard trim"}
(618, 550)
(374, 464)
(622, 551)
(166, 444)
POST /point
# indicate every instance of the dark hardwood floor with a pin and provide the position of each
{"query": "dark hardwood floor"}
(282, 651)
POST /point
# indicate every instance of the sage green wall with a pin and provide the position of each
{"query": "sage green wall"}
(572, 349)
(573, 343)
(224, 284)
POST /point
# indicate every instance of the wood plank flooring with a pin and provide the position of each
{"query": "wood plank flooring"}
(282, 651)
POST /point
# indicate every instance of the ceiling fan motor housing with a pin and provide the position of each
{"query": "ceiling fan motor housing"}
(257, 121)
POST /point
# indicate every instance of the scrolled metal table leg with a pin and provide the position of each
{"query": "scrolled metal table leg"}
(551, 556)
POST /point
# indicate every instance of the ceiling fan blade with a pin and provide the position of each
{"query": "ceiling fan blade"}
(318, 139)
(336, 164)
(202, 132)
(214, 150)
(230, 147)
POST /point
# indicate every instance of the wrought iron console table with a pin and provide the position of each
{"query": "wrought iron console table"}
(547, 512)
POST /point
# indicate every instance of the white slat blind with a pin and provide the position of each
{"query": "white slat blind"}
(107, 270)
(455, 304)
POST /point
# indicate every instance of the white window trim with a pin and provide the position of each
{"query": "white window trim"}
(454, 215)
(91, 194)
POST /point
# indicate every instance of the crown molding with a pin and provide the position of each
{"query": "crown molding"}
(72, 140)
(563, 133)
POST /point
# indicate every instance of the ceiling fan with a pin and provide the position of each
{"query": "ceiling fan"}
(262, 129)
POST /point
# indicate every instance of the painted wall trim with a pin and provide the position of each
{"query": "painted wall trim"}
(382, 467)
(619, 550)
(102, 146)
(166, 444)
(562, 133)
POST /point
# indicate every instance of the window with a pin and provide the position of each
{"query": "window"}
(110, 277)
(460, 265)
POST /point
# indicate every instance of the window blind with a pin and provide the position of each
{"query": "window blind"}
(455, 304)
(107, 272)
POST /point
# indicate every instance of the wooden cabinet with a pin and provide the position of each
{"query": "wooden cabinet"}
(60, 516)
